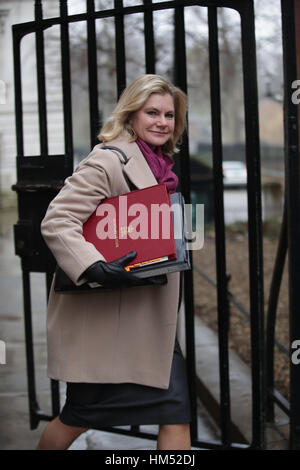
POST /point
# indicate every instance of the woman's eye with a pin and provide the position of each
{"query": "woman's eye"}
(167, 115)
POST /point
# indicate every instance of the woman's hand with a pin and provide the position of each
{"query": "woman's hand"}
(113, 274)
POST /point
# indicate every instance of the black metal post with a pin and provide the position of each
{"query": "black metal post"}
(181, 81)
(40, 67)
(149, 39)
(254, 224)
(293, 205)
(271, 316)
(66, 80)
(18, 91)
(120, 47)
(92, 72)
(223, 308)
(33, 406)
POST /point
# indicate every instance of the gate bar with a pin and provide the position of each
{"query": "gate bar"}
(149, 39)
(271, 315)
(66, 80)
(41, 82)
(180, 80)
(120, 47)
(54, 384)
(255, 241)
(291, 130)
(18, 93)
(92, 72)
(223, 306)
(35, 413)
(29, 347)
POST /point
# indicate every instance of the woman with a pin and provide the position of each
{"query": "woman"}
(117, 350)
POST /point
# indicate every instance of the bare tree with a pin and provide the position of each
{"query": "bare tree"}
(196, 24)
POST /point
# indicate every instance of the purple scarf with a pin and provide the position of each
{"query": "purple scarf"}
(160, 164)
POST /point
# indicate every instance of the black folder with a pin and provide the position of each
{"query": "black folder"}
(182, 263)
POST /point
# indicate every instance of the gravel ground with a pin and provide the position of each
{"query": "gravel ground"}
(238, 267)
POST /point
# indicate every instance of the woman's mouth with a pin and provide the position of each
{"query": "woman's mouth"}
(159, 133)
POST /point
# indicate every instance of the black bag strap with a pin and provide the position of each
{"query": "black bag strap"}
(111, 147)
(125, 160)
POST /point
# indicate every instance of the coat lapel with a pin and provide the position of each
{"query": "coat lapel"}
(137, 168)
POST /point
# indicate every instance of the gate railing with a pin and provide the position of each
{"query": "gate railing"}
(40, 177)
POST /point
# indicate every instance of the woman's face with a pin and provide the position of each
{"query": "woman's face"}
(154, 122)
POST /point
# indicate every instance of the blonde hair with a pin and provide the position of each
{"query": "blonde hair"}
(133, 98)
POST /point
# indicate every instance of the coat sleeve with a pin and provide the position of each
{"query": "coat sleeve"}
(61, 227)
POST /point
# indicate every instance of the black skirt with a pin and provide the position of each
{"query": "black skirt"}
(95, 405)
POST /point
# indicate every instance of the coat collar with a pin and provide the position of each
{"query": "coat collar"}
(137, 168)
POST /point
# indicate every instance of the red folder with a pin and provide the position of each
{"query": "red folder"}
(140, 220)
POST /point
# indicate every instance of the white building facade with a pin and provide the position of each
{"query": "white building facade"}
(14, 12)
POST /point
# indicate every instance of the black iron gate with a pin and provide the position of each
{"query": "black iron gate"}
(40, 177)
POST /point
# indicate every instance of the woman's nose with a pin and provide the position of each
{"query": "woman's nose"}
(162, 121)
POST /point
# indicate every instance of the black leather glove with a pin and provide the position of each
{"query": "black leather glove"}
(114, 275)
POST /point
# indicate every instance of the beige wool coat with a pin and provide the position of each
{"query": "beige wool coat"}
(117, 336)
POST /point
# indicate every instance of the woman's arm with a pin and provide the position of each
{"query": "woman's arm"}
(69, 210)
